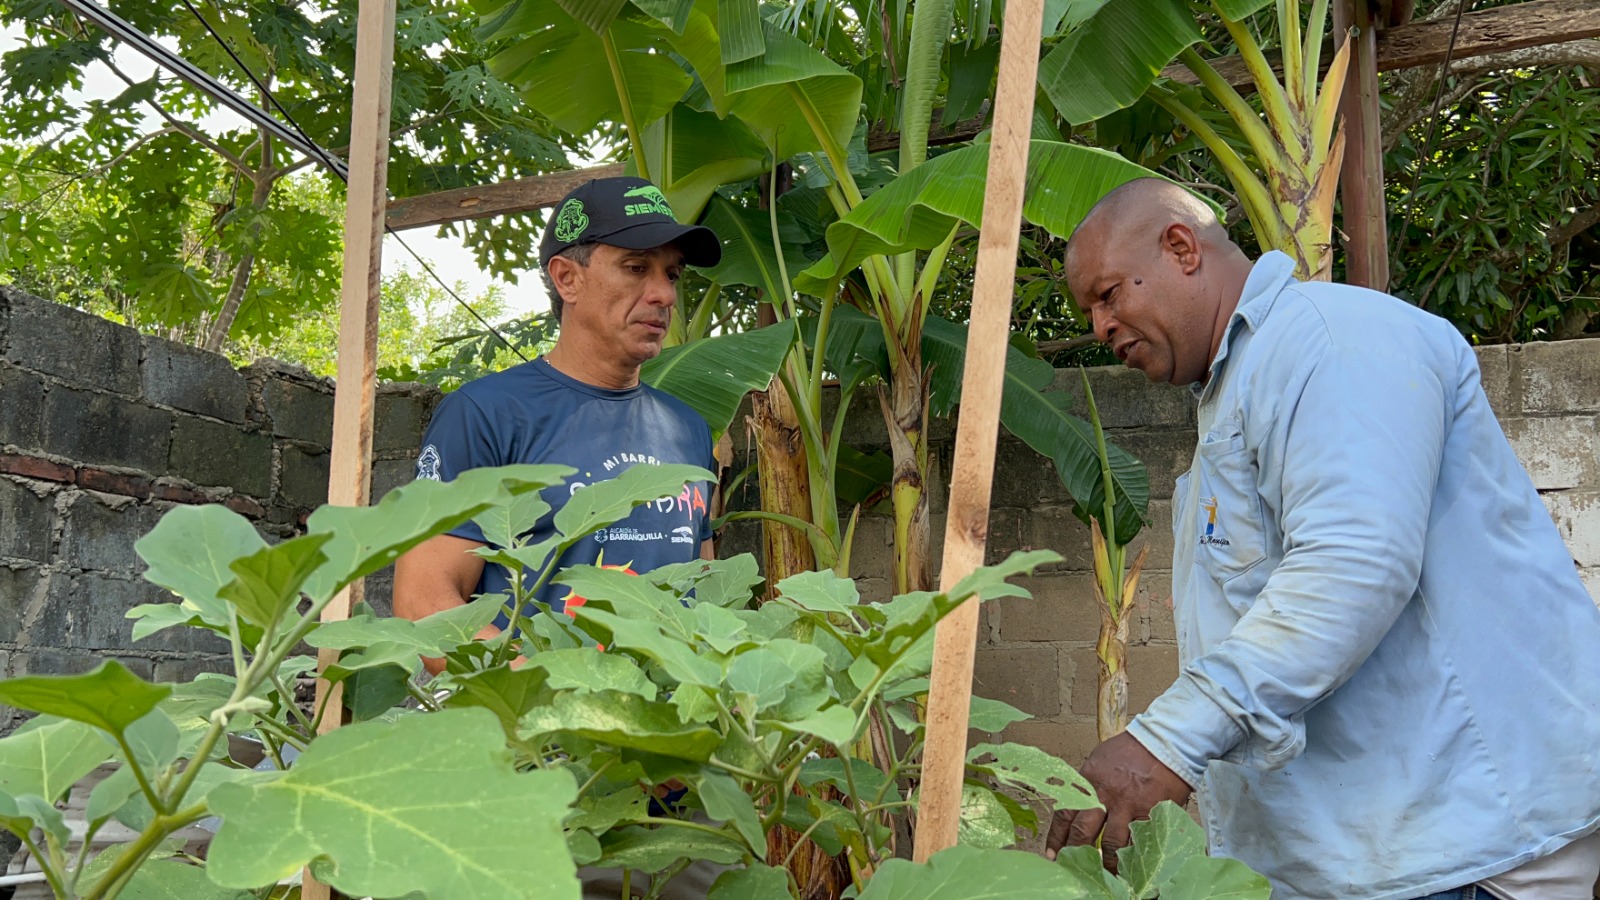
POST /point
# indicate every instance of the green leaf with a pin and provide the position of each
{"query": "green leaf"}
(836, 725)
(191, 552)
(595, 506)
(739, 24)
(990, 582)
(821, 591)
(714, 374)
(268, 581)
(1085, 862)
(725, 801)
(372, 691)
(1111, 58)
(367, 538)
(111, 794)
(748, 255)
(809, 689)
(505, 522)
(1159, 848)
(677, 658)
(1239, 10)
(830, 770)
(154, 740)
(586, 669)
(653, 849)
(1208, 878)
(110, 698)
(506, 693)
(755, 882)
(1037, 771)
(972, 873)
(20, 815)
(691, 153)
(428, 803)
(597, 14)
(993, 715)
(779, 92)
(623, 592)
(169, 879)
(985, 822)
(917, 210)
(428, 636)
(623, 720)
(48, 758)
(761, 674)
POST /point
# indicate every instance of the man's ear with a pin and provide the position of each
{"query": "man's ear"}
(565, 276)
(1181, 243)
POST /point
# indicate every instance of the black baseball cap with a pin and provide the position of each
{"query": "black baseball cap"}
(625, 212)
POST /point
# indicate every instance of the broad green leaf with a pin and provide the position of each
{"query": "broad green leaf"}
(721, 629)
(694, 704)
(597, 14)
(646, 638)
(154, 740)
(748, 255)
(622, 720)
(109, 698)
(779, 92)
(1239, 10)
(507, 693)
(714, 374)
(150, 618)
(267, 582)
(627, 593)
(755, 882)
(822, 591)
(972, 873)
(505, 522)
(809, 689)
(111, 794)
(586, 669)
(653, 849)
(1113, 56)
(989, 582)
(373, 691)
(428, 636)
(1085, 862)
(993, 715)
(594, 506)
(429, 803)
(1159, 848)
(169, 879)
(869, 779)
(836, 725)
(190, 552)
(761, 674)
(984, 819)
(137, 814)
(728, 583)
(725, 801)
(739, 25)
(20, 815)
(918, 209)
(367, 538)
(1037, 771)
(610, 801)
(377, 656)
(692, 153)
(49, 758)
(1215, 878)
(838, 828)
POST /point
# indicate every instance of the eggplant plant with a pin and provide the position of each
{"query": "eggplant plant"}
(499, 779)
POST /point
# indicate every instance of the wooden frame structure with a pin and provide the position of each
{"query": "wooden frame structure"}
(1402, 44)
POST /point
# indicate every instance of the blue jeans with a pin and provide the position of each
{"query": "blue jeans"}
(1470, 892)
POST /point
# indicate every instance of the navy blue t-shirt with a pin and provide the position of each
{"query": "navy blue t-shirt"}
(531, 413)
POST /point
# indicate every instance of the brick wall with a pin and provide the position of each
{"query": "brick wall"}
(103, 430)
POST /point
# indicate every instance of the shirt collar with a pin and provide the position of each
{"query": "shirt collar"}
(1268, 277)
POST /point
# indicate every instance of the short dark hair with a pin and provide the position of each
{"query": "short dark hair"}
(578, 253)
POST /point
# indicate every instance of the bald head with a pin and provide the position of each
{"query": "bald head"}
(1157, 277)
(1141, 209)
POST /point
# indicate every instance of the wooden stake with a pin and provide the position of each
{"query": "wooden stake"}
(366, 198)
(967, 527)
(1361, 182)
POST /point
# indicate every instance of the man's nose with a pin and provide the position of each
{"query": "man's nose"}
(1105, 325)
(662, 290)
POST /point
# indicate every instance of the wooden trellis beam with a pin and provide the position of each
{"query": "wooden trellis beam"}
(1516, 27)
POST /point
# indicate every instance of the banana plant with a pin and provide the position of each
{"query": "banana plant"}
(1282, 160)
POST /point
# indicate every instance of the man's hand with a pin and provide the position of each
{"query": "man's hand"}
(1130, 781)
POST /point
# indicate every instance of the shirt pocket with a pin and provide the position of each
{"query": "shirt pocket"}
(1228, 528)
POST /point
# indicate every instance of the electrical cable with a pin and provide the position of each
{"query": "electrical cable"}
(1433, 127)
(325, 157)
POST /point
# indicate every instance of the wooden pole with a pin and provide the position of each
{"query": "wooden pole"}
(1364, 219)
(366, 200)
(967, 525)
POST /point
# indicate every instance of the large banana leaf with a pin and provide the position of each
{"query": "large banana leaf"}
(1040, 419)
(713, 375)
(1237, 10)
(918, 209)
(748, 254)
(1112, 56)
(692, 153)
(553, 63)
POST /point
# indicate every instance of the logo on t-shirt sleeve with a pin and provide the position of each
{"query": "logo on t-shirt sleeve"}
(428, 463)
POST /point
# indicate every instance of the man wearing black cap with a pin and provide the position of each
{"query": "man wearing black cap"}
(611, 255)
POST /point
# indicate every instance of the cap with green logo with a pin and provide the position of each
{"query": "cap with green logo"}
(625, 212)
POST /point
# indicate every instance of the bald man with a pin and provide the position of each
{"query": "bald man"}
(1390, 681)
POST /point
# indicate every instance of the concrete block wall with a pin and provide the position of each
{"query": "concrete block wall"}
(102, 430)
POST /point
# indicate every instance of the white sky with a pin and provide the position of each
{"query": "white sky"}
(452, 261)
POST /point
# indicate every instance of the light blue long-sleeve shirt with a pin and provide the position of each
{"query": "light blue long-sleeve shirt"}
(1390, 675)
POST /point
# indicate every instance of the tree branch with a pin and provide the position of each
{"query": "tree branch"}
(183, 128)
